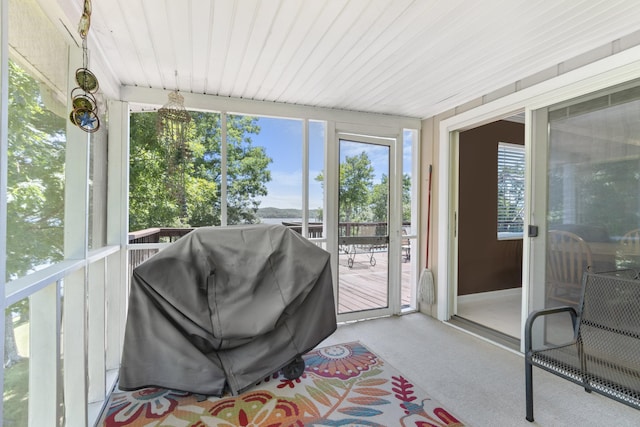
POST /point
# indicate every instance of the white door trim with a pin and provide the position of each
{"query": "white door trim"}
(607, 72)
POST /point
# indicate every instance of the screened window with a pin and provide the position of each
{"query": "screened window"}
(257, 179)
(510, 190)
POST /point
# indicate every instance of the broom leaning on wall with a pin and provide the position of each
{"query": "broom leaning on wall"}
(426, 285)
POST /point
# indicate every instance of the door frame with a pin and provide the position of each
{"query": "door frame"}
(457, 201)
(385, 137)
(601, 74)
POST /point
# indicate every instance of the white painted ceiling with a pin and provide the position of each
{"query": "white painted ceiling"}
(413, 58)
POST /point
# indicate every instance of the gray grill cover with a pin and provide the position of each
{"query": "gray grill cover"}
(224, 307)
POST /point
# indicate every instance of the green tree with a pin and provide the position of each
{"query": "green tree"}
(35, 177)
(35, 188)
(380, 199)
(356, 181)
(406, 198)
(152, 205)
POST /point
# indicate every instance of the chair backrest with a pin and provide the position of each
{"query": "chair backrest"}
(568, 257)
(629, 249)
(405, 239)
(367, 230)
(631, 242)
(609, 328)
(611, 301)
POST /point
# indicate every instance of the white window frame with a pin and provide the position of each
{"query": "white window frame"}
(510, 154)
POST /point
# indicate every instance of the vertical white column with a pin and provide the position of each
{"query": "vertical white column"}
(117, 230)
(223, 168)
(96, 329)
(305, 178)
(394, 221)
(331, 190)
(76, 222)
(44, 361)
(534, 249)
(99, 164)
(415, 210)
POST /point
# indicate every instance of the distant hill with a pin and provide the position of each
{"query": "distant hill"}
(279, 213)
(283, 213)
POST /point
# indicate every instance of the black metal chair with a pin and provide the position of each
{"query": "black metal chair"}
(604, 355)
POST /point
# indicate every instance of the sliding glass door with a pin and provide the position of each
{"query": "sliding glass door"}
(592, 202)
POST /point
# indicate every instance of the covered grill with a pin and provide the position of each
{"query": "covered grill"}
(224, 307)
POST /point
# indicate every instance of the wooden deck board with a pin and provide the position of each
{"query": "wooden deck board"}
(365, 287)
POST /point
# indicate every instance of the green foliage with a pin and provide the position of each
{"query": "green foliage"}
(153, 204)
(379, 199)
(247, 172)
(406, 198)
(600, 189)
(356, 180)
(511, 197)
(363, 200)
(150, 204)
(35, 184)
(16, 392)
(35, 178)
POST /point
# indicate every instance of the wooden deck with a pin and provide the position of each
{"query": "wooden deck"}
(365, 287)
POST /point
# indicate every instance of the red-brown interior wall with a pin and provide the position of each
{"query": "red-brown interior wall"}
(484, 262)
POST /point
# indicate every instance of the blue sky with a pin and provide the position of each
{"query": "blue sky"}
(282, 139)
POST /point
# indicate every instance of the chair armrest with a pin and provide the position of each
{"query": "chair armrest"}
(544, 312)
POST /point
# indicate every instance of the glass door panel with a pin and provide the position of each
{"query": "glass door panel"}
(594, 187)
(593, 201)
(363, 227)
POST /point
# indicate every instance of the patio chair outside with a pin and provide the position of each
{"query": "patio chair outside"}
(568, 257)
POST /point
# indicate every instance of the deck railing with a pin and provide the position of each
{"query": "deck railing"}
(167, 235)
(314, 229)
(152, 235)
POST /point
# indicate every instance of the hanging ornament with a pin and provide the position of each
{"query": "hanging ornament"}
(85, 111)
(173, 125)
(85, 20)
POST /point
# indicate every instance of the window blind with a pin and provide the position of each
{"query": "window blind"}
(510, 190)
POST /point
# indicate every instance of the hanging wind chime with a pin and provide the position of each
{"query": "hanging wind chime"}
(172, 126)
(85, 110)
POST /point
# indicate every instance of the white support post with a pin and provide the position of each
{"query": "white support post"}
(44, 357)
(75, 346)
(416, 230)
(305, 178)
(395, 224)
(331, 184)
(116, 308)
(76, 220)
(96, 328)
(223, 168)
(117, 230)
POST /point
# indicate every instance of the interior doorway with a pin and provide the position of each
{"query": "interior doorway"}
(490, 214)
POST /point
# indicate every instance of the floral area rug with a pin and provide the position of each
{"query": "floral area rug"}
(343, 385)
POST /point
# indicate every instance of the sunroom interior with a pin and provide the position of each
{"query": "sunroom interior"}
(321, 77)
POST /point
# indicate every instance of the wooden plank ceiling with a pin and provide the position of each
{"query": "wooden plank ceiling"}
(413, 58)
